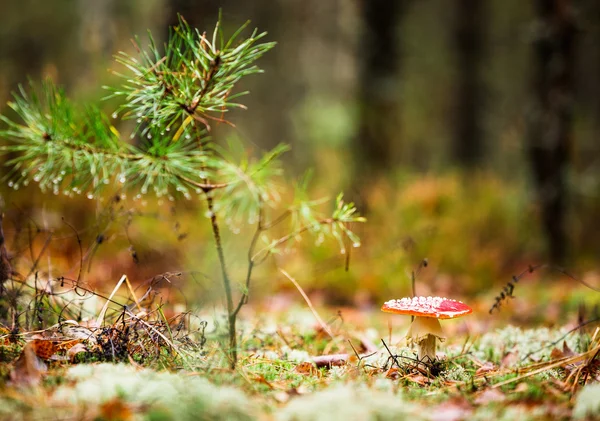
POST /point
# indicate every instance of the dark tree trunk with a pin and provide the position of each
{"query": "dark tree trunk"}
(198, 13)
(379, 94)
(469, 35)
(550, 123)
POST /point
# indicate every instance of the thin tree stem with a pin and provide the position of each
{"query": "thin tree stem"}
(231, 313)
(251, 262)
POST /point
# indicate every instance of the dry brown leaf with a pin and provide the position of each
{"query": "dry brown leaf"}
(43, 348)
(510, 359)
(485, 368)
(557, 354)
(76, 349)
(452, 410)
(28, 369)
(46, 349)
(566, 352)
(490, 395)
(419, 379)
(392, 373)
(306, 368)
(521, 388)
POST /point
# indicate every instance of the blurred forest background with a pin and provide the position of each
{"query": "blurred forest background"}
(466, 131)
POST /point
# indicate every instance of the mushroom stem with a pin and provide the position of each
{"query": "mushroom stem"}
(424, 331)
(426, 348)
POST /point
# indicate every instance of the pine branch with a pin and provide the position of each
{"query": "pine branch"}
(73, 152)
(171, 94)
(191, 79)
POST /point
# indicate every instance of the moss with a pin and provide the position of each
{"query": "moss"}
(346, 402)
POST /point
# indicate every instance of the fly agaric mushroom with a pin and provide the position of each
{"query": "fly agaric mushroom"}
(426, 327)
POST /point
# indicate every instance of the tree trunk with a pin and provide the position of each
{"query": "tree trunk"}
(469, 36)
(379, 94)
(550, 120)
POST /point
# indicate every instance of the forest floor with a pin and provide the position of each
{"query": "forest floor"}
(292, 367)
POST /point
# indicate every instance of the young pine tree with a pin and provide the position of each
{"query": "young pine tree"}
(174, 94)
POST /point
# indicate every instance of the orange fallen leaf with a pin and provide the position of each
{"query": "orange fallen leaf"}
(116, 410)
(392, 373)
(306, 368)
(43, 348)
(261, 379)
(47, 348)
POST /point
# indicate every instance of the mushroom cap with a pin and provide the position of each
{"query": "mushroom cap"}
(438, 307)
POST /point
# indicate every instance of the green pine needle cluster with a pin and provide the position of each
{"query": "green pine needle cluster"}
(191, 82)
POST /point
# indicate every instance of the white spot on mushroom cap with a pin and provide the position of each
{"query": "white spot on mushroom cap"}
(439, 307)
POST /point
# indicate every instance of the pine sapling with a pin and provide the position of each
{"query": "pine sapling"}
(174, 94)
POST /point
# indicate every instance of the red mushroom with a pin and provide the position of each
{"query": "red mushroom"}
(426, 327)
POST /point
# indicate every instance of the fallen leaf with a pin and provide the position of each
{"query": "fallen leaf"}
(43, 348)
(28, 369)
(566, 352)
(76, 349)
(419, 379)
(451, 411)
(261, 379)
(485, 368)
(392, 373)
(306, 368)
(521, 388)
(510, 359)
(489, 395)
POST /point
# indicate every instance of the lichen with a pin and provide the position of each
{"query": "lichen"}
(175, 396)
(535, 343)
(346, 402)
(587, 404)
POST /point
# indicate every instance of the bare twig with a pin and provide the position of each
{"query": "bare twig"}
(310, 306)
